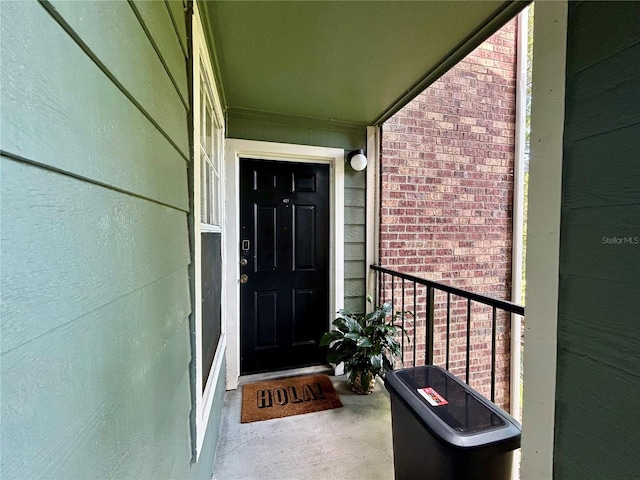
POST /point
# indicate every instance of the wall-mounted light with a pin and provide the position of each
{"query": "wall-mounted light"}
(357, 160)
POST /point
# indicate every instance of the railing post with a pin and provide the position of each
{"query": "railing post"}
(468, 370)
(448, 328)
(415, 318)
(402, 335)
(493, 354)
(430, 325)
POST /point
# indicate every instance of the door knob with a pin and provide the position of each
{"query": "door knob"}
(244, 278)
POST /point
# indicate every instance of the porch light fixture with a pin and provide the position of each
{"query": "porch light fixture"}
(357, 160)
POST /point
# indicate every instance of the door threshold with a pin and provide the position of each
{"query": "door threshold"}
(294, 372)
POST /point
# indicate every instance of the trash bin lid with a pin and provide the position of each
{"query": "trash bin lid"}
(451, 409)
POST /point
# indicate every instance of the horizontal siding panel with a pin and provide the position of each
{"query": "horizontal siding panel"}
(176, 10)
(587, 248)
(170, 436)
(114, 34)
(612, 159)
(271, 132)
(308, 136)
(354, 288)
(588, 313)
(157, 20)
(355, 238)
(354, 269)
(354, 251)
(354, 197)
(77, 120)
(250, 125)
(105, 382)
(148, 416)
(594, 413)
(599, 102)
(614, 31)
(354, 304)
(355, 215)
(600, 75)
(76, 247)
(354, 233)
(353, 179)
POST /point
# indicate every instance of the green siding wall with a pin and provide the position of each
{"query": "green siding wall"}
(287, 129)
(598, 385)
(95, 336)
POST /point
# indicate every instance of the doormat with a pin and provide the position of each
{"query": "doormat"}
(285, 397)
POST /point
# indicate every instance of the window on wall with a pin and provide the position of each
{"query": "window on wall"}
(208, 139)
(210, 225)
(210, 155)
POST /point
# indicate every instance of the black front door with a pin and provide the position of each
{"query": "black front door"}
(284, 251)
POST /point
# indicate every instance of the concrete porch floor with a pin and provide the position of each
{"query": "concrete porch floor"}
(348, 443)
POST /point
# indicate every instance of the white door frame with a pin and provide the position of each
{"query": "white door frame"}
(236, 149)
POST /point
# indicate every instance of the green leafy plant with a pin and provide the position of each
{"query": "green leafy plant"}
(365, 342)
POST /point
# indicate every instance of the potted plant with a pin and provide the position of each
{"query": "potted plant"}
(366, 343)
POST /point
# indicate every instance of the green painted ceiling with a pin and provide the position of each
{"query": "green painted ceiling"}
(347, 61)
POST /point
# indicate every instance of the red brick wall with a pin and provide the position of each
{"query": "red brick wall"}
(446, 202)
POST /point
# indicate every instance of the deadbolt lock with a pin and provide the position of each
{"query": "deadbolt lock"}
(243, 262)
(244, 278)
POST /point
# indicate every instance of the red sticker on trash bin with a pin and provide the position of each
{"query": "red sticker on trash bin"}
(433, 397)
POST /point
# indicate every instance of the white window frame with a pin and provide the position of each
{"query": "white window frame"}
(284, 152)
(214, 162)
(204, 400)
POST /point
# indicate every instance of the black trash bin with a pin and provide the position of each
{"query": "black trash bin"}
(443, 429)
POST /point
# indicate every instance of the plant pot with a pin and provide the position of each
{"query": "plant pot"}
(363, 383)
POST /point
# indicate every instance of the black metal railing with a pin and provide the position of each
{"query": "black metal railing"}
(391, 283)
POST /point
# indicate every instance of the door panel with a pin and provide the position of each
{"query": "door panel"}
(284, 302)
(265, 314)
(304, 226)
(265, 247)
(303, 302)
